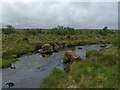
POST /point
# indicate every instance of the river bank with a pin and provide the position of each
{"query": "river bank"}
(98, 70)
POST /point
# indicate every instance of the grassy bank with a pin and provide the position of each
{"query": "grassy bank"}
(97, 71)
(13, 45)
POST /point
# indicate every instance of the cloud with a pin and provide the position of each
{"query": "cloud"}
(51, 14)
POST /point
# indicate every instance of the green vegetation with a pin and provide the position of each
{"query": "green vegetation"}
(13, 44)
(91, 53)
(97, 71)
(104, 31)
(53, 79)
(12, 50)
(65, 59)
(9, 30)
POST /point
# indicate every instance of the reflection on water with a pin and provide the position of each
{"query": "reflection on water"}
(30, 70)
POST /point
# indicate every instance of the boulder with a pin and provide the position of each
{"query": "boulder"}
(46, 49)
(70, 56)
(79, 47)
(55, 47)
(103, 46)
(46, 55)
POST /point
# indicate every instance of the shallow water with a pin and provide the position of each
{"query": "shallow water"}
(30, 70)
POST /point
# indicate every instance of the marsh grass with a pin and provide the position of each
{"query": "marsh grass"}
(91, 53)
(94, 75)
(106, 56)
(90, 73)
(12, 43)
(56, 78)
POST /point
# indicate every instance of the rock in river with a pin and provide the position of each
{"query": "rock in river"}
(79, 47)
(46, 49)
(70, 56)
(55, 47)
(103, 46)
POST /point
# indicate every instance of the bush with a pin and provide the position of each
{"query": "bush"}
(9, 30)
(66, 59)
(33, 31)
(104, 31)
(60, 30)
(114, 41)
(6, 63)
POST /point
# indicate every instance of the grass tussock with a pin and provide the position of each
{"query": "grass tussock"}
(56, 78)
(92, 53)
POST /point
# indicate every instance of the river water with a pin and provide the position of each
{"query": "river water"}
(31, 70)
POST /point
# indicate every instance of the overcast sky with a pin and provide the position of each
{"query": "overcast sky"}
(51, 14)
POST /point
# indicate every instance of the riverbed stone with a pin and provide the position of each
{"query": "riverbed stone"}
(103, 46)
(55, 47)
(79, 47)
(46, 49)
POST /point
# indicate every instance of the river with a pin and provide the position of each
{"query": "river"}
(31, 70)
